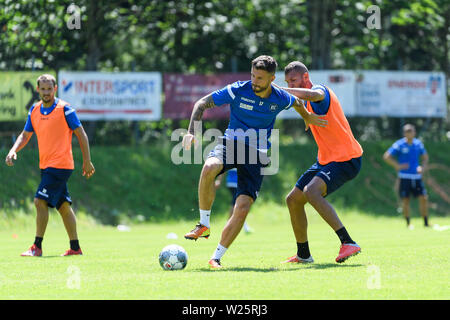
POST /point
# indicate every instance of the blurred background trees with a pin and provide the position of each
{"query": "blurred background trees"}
(213, 36)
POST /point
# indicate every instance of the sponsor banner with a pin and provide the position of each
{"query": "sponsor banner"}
(181, 91)
(112, 95)
(401, 94)
(342, 82)
(18, 93)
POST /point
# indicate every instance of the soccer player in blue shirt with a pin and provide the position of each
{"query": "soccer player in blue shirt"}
(405, 156)
(254, 106)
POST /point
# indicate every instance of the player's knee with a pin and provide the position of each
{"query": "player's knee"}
(211, 169)
(242, 207)
(295, 198)
(39, 203)
(311, 192)
(64, 208)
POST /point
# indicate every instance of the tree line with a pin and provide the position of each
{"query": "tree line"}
(214, 36)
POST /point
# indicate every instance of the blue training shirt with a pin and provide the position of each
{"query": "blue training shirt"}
(251, 117)
(71, 117)
(321, 107)
(408, 153)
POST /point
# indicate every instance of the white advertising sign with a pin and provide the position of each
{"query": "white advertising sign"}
(342, 82)
(112, 96)
(401, 94)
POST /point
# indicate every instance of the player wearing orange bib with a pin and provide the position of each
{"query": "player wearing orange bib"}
(338, 161)
(53, 121)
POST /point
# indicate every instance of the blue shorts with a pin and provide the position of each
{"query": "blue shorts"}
(53, 187)
(248, 168)
(334, 174)
(411, 186)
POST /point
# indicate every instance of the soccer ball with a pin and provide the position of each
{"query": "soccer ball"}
(173, 257)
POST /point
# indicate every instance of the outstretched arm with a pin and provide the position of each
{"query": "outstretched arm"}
(309, 117)
(88, 167)
(200, 106)
(20, 143)
(313, 95)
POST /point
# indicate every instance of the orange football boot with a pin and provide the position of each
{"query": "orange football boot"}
(34, 251)
(214, 264)
(297, 259)
(347, 250)
(199, 231)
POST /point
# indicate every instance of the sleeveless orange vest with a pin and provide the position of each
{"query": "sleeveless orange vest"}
(54, 137)
(335, 141)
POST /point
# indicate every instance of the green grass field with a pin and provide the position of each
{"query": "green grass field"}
(395, 263)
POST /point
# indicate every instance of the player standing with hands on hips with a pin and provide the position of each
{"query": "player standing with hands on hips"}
(254, 106)
(53, 120)
(405, 156)
(338, 161)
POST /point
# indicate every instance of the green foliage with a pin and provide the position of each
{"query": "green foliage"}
(222, 36)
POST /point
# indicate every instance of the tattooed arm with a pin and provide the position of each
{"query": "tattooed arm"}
(200, 106)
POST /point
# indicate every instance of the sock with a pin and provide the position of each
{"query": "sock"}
(425, 220)
(246, 227)
(407, 221)
(204, 217)
(74, 245)
(303, 250)
(38, 242)
(220, 251)
(344, 236)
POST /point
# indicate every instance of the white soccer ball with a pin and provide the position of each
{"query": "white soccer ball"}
(173, 257)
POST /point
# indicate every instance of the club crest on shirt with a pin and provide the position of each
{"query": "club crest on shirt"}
(273, 107)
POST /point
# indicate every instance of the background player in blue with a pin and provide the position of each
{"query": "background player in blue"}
(405, 156)
(254, 106)
(231, 184)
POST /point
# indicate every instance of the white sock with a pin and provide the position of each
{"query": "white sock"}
(204, 217)
(246, 227)
(220, 251)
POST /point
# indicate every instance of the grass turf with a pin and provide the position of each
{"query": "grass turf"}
(395, 263)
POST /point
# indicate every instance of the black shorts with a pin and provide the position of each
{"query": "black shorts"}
(335, 174)
(53, 187)
(411, 186)
(249, 170)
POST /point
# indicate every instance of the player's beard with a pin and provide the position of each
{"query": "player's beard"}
(258, 89)
(46, 98)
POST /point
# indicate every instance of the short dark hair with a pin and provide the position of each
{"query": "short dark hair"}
(296, 66)
(266, 63)
(45, 78)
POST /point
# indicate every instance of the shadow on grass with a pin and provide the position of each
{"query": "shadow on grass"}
(332, 265)
(281, 269)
